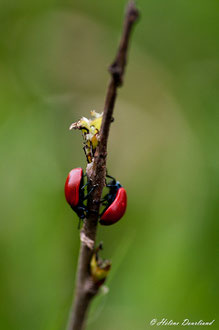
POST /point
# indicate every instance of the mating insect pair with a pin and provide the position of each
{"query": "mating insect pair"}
(114, 202)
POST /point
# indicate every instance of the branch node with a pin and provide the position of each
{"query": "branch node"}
(86, 240)
(117, 73)
(90, 287)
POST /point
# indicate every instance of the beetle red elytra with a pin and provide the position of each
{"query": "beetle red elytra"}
(74, 192)
(115, 201)
(72, 186)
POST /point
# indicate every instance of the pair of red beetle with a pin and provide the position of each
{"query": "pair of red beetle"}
(115, 201)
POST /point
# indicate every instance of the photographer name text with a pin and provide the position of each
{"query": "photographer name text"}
(184, 323)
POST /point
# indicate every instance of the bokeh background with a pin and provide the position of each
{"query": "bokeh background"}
(163, 148)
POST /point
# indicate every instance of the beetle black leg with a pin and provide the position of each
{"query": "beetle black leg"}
(81, 211)
(105, 198)
(111, 177)
(92, 189)
(84, 185)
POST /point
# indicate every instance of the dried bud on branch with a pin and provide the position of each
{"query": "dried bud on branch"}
(90, 130)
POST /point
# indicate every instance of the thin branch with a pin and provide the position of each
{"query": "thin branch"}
(86, 289)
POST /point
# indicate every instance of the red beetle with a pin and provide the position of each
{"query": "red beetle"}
(116, 201)
(74, 191)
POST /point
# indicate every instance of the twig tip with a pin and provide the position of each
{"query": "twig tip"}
(132, 11)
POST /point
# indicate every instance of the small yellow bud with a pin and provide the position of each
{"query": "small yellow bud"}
(99, 268)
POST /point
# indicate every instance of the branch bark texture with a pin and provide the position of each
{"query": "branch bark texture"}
(86, 289)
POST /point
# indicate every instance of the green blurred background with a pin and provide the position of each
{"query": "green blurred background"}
(163, 147)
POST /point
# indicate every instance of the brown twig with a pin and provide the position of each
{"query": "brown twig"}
(86, 289)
